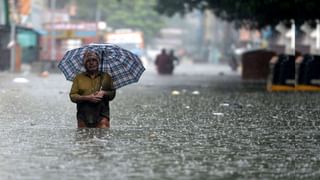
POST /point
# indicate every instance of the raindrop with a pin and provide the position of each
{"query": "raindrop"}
(218, 114)
(152, 135)
(249, 105)
(224, 104)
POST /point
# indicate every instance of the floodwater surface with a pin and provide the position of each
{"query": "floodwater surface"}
(171, 127)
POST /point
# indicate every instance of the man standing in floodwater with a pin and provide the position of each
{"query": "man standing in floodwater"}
(92, 91)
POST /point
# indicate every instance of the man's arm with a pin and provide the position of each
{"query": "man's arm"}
(107, 89)
(110, 95)
(94, 98)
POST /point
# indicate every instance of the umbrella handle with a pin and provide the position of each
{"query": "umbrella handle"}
(101, 65)
(101, 61)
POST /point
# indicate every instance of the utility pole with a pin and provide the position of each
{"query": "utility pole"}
(318, 36)
(12, 44)
(293, 36)
(53, 33)
(98, 17)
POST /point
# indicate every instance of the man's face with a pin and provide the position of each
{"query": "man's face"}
(92, 64)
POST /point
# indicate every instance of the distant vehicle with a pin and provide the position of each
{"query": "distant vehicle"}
(128, 39)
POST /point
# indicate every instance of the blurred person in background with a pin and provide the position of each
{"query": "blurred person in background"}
(164, 63)
(174, 58)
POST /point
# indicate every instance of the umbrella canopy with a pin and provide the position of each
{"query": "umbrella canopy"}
(123, 66)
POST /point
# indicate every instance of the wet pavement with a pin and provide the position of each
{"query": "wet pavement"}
(201, 123)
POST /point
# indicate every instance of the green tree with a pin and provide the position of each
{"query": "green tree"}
(250, 13)
(134, 14)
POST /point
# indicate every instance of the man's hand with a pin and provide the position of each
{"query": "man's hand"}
(105, 94)
(101, 93)
(94, 98)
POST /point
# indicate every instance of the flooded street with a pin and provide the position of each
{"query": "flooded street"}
(204, 124)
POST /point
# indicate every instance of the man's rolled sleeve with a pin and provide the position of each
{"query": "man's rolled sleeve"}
(107, 85)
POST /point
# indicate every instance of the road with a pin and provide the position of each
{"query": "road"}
(201, 123)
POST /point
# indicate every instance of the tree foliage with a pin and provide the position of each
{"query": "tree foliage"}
(250, 13)
(134, 14)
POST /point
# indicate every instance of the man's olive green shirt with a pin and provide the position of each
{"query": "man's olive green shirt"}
(83, 84)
